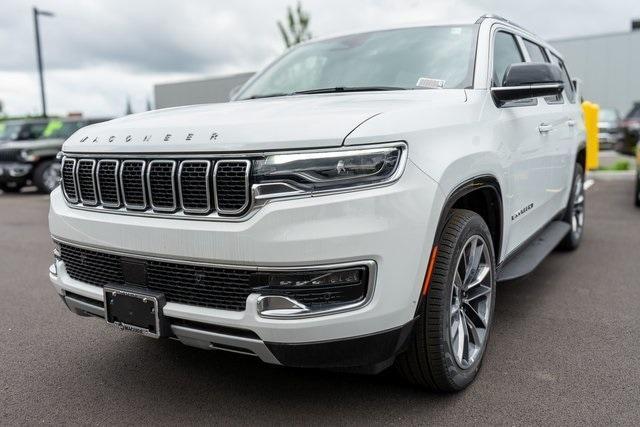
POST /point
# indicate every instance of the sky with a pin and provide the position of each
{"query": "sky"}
(99, 53)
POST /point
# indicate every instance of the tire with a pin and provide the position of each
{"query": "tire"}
(574, 212)
(638, 189)
(46, 176)
(431, 359)
(11, 187)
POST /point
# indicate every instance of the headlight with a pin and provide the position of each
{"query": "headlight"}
(285, 174)
(28, 156)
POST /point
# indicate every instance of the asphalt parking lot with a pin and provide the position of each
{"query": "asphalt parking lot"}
(565, 349)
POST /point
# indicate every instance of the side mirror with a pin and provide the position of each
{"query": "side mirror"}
(527, 80)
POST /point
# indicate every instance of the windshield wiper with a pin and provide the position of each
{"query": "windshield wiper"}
(270, 95)
(348, 89)
(337, 89)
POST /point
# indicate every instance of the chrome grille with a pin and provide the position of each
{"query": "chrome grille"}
(86, 182)
(232, 194)
(132, 182)
(107, 178)
(194, 186)
(182, 187)
(69, 180)
(162, 186)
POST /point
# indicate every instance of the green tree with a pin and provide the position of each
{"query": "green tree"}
(297, 26)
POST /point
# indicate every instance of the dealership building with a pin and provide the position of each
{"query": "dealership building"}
(608, 66)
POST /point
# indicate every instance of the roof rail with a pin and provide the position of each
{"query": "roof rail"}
(499, 18)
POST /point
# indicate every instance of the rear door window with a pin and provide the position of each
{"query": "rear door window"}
(536, 52)
(568, 84)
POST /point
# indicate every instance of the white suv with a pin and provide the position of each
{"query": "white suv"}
(354, 206)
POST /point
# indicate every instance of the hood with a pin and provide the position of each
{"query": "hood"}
(33, 143)
(303, 121)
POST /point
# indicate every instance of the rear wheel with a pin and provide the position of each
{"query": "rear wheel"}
(638, 188)
(574, 213)
(451, 334)
(11, 187)
(46, 176)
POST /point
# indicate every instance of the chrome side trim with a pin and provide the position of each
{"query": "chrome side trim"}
(73, 200)
(247, 193)
(174, 193)
(87, 202)
(206, 181)
(115, 179)
(144, 192)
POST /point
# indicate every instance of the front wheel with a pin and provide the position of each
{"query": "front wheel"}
(451, 333)
(46, 176)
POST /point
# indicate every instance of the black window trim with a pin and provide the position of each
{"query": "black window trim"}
(525, 58)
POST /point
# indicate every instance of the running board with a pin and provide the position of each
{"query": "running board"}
(529, 257)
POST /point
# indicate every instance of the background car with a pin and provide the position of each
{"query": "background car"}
(609, 128)
(638, 175)
(33, 161)
(631, 129)
(22, 130)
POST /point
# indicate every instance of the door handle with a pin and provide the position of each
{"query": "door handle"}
(545, 128)
(571, 123)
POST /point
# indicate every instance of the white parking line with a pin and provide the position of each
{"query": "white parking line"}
(588, 184)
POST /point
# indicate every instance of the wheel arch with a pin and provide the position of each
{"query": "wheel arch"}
(481, 194)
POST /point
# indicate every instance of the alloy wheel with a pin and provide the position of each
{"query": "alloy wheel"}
(470, 302)
(577, 218)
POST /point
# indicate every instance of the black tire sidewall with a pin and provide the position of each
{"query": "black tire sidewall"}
(38, 174)
(458, 377)
(571, 241)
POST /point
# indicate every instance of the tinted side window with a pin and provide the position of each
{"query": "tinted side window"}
(505, 53)
(568, 84)
(536, 53)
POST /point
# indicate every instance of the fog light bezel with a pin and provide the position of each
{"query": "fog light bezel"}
(299, 310)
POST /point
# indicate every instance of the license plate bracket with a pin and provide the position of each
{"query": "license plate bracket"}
(134, 310)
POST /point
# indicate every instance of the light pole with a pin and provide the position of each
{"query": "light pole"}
(36, 13)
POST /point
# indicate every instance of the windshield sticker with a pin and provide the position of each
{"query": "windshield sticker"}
(456, 31)
(430, 83)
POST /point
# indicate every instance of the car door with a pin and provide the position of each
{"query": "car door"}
(569, 132)
(530, 161)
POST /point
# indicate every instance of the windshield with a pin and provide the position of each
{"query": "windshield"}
(607, 115)
(411, 58)
(57, 129)
(10, 131)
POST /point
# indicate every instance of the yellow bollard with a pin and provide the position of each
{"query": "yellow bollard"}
(590, 112)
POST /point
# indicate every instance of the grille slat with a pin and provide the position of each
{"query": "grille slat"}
(108, 189)
(162, 186)
(69, 180)
(86, 182)
(132, 183)
(231, 189)
(195, 195)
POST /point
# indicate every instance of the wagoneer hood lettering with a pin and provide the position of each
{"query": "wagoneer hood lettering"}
(303, 121)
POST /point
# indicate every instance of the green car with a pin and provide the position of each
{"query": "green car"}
(28, 152)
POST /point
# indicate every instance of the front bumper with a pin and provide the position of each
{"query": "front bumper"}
(11, 172)
(392, 226)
